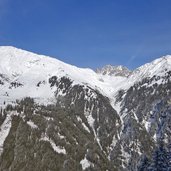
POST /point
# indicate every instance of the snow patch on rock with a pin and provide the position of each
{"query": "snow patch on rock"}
(58, 149)
(4, 131)
(32, 124)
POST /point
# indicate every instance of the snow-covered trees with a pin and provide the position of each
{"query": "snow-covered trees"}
(160, 160)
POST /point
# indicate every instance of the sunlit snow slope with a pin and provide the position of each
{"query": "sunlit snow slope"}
(22, 71)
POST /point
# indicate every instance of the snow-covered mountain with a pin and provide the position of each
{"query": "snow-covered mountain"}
(29, 70)
(101, 117)
(114, 71)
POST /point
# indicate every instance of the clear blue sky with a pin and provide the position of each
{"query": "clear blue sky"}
(89, 33)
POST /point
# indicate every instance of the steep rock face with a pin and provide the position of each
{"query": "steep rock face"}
(55, 116)
(145, 112)
(114, 71)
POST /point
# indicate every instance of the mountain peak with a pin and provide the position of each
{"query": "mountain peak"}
(12, 49)
(156, 67)
(7, 47)
(114, 70)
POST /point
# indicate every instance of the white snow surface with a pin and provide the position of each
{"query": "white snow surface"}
(58, 149)
(29, 69)
(32, 124)
(85, 163)
(83, 124)
(4, 131)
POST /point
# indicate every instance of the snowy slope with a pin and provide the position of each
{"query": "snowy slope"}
(29, 69)
(4, 131)
(157, 67)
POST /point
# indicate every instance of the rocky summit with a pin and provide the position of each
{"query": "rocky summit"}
(58, 117)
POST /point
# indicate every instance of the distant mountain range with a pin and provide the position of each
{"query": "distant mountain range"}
(55, 116)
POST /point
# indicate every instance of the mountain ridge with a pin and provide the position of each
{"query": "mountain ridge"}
(80, 119)
(12, 50)
(61, 68)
